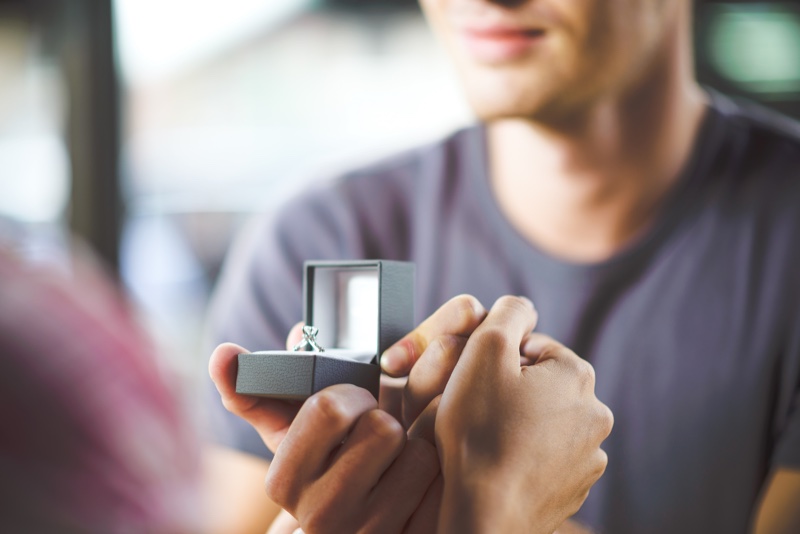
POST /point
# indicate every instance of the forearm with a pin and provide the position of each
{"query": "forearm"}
(234, 492)
(479, 508)
(482, 507)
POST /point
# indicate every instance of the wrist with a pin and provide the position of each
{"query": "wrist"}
(482, 505)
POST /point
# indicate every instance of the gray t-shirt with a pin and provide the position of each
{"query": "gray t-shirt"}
(694, 329)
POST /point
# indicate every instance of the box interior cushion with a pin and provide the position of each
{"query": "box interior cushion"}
(346, 304)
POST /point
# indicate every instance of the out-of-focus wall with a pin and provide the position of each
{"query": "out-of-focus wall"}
(34, 161)
(250, 108)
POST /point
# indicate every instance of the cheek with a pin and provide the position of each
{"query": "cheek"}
(616, 34)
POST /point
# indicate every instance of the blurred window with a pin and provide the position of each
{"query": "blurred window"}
(35, 175)
(230, 107)
(757, 46)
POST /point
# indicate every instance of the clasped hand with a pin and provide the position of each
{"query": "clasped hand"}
(495, 429)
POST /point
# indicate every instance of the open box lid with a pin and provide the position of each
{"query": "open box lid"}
(365, 305)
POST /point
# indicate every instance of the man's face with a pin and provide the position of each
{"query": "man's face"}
(546, 58)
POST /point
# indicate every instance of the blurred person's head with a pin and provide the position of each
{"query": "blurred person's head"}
(93, 439)
(551, 59)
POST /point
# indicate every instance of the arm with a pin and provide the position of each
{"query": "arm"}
(234, 492)
(779, 509)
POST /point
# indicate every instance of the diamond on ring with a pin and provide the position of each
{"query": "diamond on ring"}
(309, 341)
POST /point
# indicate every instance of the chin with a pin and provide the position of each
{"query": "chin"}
(497, 105)
(505, 95)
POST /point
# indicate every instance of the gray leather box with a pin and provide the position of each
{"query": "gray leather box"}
(360, 307)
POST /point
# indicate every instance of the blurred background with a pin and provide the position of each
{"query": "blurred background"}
(154, 129)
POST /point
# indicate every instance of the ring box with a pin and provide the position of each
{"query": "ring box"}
(361, 308)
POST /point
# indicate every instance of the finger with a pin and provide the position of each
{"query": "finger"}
(430, 374)
(539, 347)
(295, 335)
(426, 518)
(270, 417)
(496, 344)
(284, 524)
(459, 316)
(376, 440)
(222, 367)
(424, 426)
(320, 426)
(546, 352)
(410, 476)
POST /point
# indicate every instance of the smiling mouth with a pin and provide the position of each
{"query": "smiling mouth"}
(500, 44)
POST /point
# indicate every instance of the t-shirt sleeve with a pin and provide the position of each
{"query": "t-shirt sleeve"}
(787, 447)
(259, 296)
(787, 453)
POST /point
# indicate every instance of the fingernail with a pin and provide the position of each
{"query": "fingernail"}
(395, 360)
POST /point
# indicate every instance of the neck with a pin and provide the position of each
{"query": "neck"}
(581, 188)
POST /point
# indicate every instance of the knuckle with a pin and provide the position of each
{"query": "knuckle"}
(517, 304)
(578, 369)
(446, 343)
(328, 406)
(278, 488)
(467, 308)
(586, 373)
(600, 463)
(605, 420)
(445, 348)
(494, 339)
(383, 426)
(552, 353)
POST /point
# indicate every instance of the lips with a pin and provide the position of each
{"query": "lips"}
(499, 44)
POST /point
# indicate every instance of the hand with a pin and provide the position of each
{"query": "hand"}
(428, 355)
(520, 446)
(346, 466)
(270, 417)
(341, 465)
(418, 366)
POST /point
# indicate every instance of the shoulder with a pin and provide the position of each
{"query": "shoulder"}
(763, 139)
(759, 158)
(758, 185)
(399, 176)
(370, 208)
(757, 118)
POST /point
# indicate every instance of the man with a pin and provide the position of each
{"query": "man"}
(653, 223)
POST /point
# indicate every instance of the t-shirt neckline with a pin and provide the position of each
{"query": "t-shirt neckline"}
(680, 202)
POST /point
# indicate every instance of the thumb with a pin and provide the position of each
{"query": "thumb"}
(270, 417)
